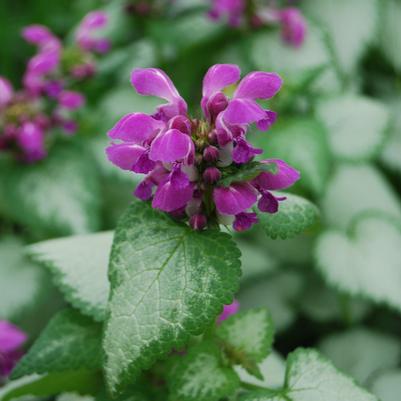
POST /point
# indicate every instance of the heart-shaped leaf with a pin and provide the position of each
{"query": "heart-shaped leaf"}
(59, 195)
(294, 216)
(79, 265)
(168, 282)
(355, 126)
(366, 261)
(354, 189)
(387, 386)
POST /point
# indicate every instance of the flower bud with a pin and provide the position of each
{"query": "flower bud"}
(211, 175)
(198, 222)
(223, 137)
(181, 123)
(211, 154)
(217, 104)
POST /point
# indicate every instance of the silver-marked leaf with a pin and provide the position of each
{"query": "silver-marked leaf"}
(354, 189)
(201, 375)
(366, 261)
(390, 31)
(247, 338)
(59, 195)
(294, 216)
(297, 66)
(79, 265)
(387, 386)
(168, 282)
(355, 126)
(69, 342)
(358, 27)
(21, 283)
(362, 353)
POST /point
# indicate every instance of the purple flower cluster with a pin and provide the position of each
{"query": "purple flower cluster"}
(187, 161)
(11, 340)
(252, 13)
(46, 99)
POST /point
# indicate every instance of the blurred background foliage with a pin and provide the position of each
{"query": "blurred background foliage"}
(339, 124)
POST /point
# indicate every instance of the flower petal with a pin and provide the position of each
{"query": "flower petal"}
(284, 177)
(171, 146)
(235, 198)
(258, 85)
(11, 337)
(218, 77)
(124, 155)
(136, 128)
(243, 111)
(71, 100)
(6, 91)
(169, 197)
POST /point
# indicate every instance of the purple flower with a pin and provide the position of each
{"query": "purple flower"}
(231, 9)
(186, 159)
(228, 310)
(6, 92)
(31, 139)
(71, 100)
(87, 33)
(11, 340)
(293, 26)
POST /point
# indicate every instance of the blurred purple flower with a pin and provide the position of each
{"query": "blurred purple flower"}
(228, 310)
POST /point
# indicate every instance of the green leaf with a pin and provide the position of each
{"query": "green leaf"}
(272, 369)
(22, 282)
(168, 282)
(294, 216)
(297, 66)
(310, 376)
(362, 353)
(303, 144)
(391, 151)
(74, 397)
(69, 342)
(59, 195)
(388, 385)
(80, 381)
(201, 375)
(275, 292)
(366, 260)
(354, 189)
(358, 27)
(247, 338)
(390, 31)
(355, 126)
(79, 265)
(245, 172)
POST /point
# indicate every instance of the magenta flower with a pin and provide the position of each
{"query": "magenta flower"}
(11, 340)
(6, 92)
(255, 14)
(228, 311)
(186, 160)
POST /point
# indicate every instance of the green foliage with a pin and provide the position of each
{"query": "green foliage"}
(302, 143)
(202, 375)
(17, 272)
(387, 386)
(294, 216)
(69, 343)
(247, 338)
(368, 254)
(79, 265)
(355, 126)
(59, 195)
(167, 282)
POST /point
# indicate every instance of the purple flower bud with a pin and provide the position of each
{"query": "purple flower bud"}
(37, 35)
(223, 137)
(53, 88)
(32, 142)
(244, 221)
(216, 105)
(11, 340)
(71, 100)
(181, 123)
(228, 311)
(198, 222)
(144, 190)
(211, 154)
(211, 175)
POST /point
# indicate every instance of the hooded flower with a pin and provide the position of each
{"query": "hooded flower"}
(255, 14)
(11, 340)
(187, 160)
